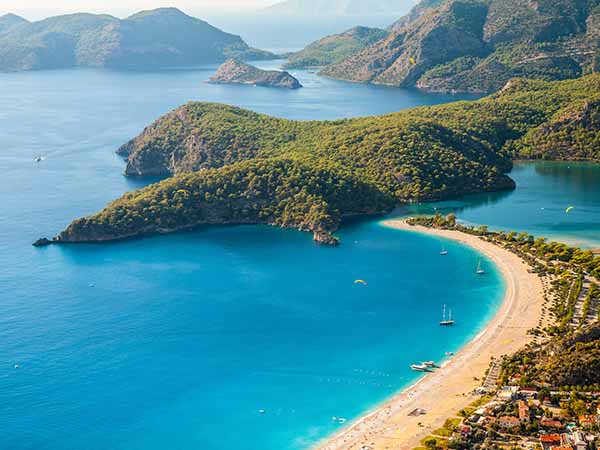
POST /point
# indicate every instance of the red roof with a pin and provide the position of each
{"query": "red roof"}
(528, 389)
(549, 438)
(551, 423)
(510, 419)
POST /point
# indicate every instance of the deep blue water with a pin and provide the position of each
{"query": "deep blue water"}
(178, 341)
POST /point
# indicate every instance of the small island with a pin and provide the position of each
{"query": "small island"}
(237, 72)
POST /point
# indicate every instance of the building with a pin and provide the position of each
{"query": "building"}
(509, 422)
(508, 392)
(515, 380)
(551, 423)
(562, 447)
(528, 392)
(587, 422)
(577, 439)
(524, 415)
(547, 441)
(463, 429)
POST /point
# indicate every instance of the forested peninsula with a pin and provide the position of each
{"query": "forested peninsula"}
(232, 166)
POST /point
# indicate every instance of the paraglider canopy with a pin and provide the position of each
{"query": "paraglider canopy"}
(363, 282)
(569, 209)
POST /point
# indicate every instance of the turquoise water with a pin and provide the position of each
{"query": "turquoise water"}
(538, 205)
(178, 341)
(183, 339)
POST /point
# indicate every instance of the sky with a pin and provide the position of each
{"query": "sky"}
(37, 9)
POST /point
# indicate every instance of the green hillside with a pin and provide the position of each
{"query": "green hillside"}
(234, 166)
(335, 48)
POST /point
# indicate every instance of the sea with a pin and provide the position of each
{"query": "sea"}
(222, 338)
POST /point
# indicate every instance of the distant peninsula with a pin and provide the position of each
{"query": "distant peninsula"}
(335, 48)
(238, 72)
(227, 165)
(157, 38)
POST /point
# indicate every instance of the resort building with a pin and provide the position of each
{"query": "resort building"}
(528, 392)
(587, 422)
(508, 392)
(562, 447)
(547, 441)
(509, 422)
(551, 423)
(577, 439)
(524, 415)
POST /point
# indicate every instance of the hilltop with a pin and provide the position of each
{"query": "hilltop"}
(335, 48)
(478, 45)
(161, 37)
(10, 21)
(229, 165)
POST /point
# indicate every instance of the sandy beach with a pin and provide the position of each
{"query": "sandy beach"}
(447, 390)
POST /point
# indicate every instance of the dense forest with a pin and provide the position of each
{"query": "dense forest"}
(235, 166)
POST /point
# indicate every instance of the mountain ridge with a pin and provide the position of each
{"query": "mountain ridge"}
(477, 46)
(160, 37)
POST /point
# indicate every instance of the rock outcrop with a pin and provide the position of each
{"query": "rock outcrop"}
(237, 72)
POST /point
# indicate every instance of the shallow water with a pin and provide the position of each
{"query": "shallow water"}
(544, 192)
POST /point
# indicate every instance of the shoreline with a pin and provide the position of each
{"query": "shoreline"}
(449, 389)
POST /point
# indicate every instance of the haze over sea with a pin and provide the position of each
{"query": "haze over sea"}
(179, 341)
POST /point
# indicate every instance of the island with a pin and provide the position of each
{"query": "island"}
(226, 165)
(234, 71)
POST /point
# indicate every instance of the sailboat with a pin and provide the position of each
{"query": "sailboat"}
(479, 270)
(449, 321)
(444, 252)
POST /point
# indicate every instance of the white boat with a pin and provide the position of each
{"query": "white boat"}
(419, 367)
(479, 270)
(444, 252)
(448, 321)
(429, 363)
